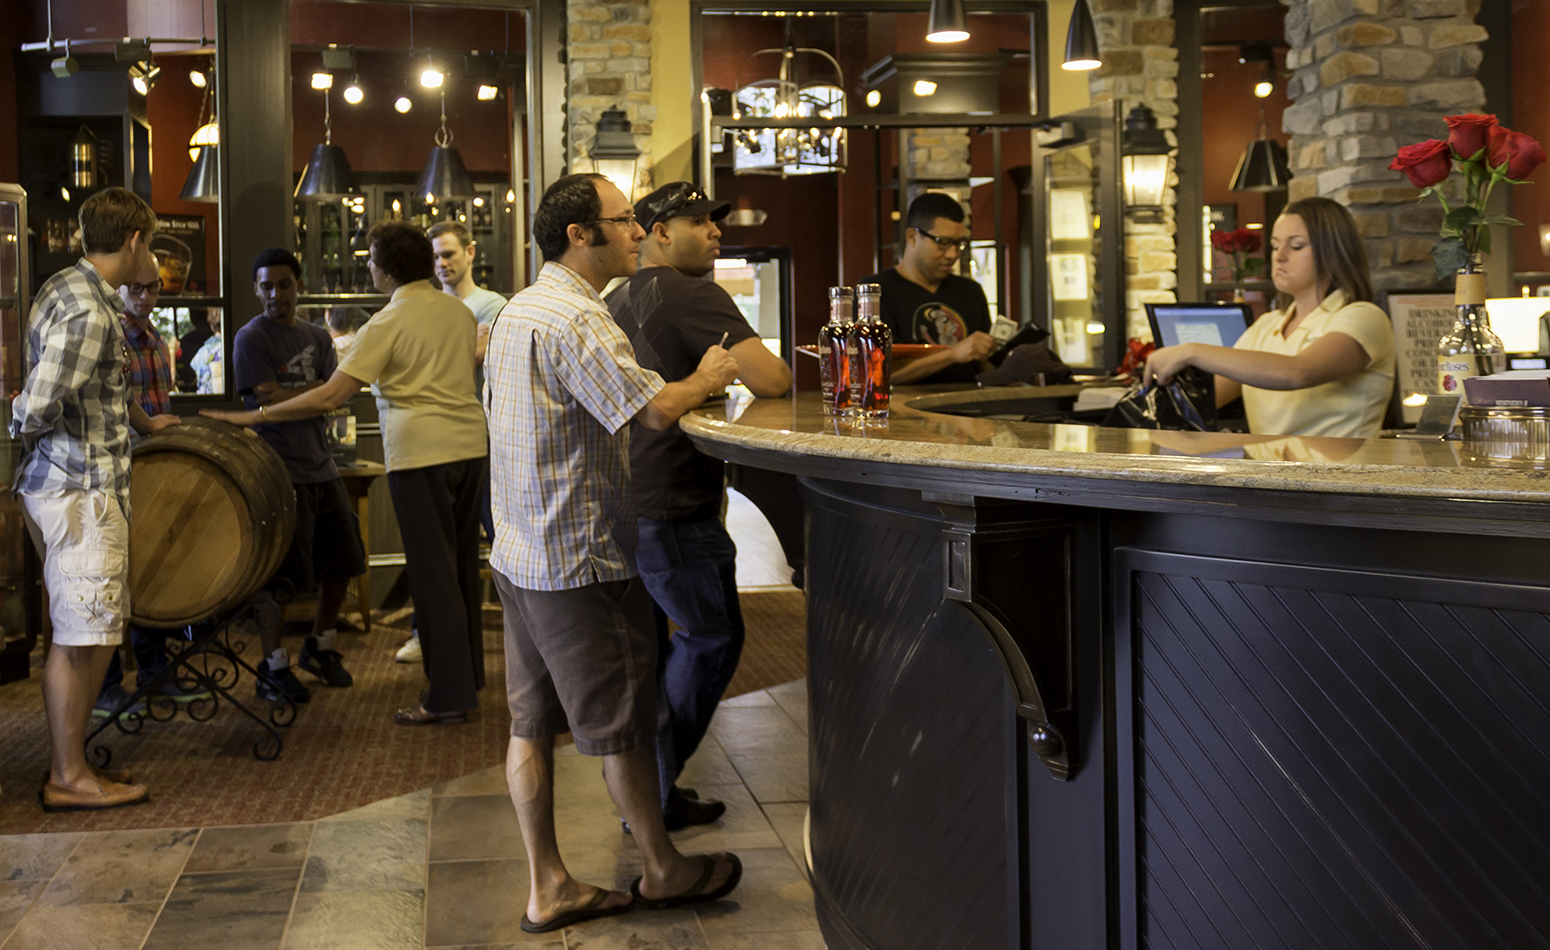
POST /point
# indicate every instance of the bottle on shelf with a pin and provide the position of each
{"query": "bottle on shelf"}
(833, 358)
(870, 348)
(1471, 348)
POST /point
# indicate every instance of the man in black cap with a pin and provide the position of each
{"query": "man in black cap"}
(685, 557)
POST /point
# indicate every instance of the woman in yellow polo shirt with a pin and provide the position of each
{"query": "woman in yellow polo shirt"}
(1322, 362)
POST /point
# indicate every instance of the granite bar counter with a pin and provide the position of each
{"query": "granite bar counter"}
(1075, 687)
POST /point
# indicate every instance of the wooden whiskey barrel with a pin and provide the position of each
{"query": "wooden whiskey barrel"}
(212, 514)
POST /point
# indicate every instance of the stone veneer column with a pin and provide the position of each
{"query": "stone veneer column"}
(1141, 67)
(1370, 76)
(939, 161)
(608, 53)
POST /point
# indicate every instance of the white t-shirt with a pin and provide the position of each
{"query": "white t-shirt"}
(1352, 406)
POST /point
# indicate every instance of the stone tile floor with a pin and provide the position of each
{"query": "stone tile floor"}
(442, 867)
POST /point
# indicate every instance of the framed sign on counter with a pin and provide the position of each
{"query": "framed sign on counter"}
(1420, 320)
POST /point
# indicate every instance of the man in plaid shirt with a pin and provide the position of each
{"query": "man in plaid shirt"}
(562, 385)
(74, 413)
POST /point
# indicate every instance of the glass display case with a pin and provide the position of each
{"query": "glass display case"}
(19, 607)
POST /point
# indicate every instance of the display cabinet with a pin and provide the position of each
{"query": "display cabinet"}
(20, 606)
(331, 235)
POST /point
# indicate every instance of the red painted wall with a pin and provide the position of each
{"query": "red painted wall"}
(173, 111)
(1232, 121)
(1531, 114)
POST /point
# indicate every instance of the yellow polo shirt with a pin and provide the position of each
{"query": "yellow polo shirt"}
(1352, 406)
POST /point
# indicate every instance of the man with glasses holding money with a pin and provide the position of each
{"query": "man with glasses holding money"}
(925, 302)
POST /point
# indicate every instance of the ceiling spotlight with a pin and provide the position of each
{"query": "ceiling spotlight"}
(66, 65)
(197, 78)
(431, 77)
(487, 92)
(322, 80)
(402, 104)
(1263, 89)
(924, 87)
(353, 93)
(143, 76)
(873, 98)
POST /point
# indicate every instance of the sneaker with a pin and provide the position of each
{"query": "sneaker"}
(115, 699)
(410, 651)
(326, 665)
(173, 691)
(277, 686)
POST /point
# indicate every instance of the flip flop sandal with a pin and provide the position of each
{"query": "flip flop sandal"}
(592, 910)
(693, 895)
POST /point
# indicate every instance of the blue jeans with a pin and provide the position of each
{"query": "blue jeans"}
(689, 567)
(150, 648)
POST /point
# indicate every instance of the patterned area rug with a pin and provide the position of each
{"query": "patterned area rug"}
(344, 750)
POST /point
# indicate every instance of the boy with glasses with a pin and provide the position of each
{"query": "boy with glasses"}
(925, 302)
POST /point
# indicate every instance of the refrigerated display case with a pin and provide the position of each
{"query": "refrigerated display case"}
(20, 595)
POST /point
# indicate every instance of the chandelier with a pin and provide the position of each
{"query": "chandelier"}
(790, 151)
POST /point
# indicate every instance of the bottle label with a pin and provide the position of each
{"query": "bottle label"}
(1453, 370)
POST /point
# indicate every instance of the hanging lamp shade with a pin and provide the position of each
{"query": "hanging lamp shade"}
(948, 23)
(444, 176)
(328, 176)
(204, 179)
(1262, 168)
(1081, 40)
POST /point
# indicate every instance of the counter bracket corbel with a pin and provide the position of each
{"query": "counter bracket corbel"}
(1010, 565)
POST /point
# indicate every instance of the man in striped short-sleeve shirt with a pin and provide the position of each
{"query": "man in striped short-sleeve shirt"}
(74, 413)
(562, 385)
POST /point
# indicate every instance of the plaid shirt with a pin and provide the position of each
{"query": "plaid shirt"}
(74, 408)
(561, 387)
(150, 366)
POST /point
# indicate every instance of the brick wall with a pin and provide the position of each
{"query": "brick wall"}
(1141, 67)
(1370, 76)
(609, 62)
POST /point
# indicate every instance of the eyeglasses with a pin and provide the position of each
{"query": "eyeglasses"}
(136, 290)
(945, 243)
(627, 219)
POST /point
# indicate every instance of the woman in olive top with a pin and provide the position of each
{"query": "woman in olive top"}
(1322, 362)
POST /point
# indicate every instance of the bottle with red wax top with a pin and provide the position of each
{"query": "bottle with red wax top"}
(870, 348)
(833, 356)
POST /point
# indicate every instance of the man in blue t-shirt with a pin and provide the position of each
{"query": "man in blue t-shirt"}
(277, 356)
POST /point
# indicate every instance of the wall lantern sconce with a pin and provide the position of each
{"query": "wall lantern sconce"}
(1147, 164)
(1081, 40)
(613, 151)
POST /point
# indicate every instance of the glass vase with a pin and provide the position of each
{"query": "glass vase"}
(1470, 348)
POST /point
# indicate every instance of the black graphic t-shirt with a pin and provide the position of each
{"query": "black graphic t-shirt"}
(671, 320)
(916, 315)
(267, 351)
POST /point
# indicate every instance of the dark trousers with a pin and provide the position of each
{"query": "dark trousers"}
(689, 566)
(438, 516)
(150, 656)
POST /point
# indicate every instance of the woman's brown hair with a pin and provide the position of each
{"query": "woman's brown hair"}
(1339, 256)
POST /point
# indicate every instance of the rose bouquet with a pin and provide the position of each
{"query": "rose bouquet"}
(1485, 153)
(1239, 244)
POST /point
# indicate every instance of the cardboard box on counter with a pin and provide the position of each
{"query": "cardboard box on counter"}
(1524, 387)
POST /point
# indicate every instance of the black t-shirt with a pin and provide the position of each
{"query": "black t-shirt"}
(671, 320)
(916, 315)
(294, 357)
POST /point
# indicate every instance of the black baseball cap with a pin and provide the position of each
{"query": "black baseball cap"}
(679, 199)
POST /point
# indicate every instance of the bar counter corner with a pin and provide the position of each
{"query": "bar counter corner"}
(1102, 689)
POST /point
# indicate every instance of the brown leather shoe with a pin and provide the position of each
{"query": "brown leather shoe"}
(420, 716)
(116, 776)
(110, 795)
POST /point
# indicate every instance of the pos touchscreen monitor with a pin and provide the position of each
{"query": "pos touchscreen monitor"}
(1213, 323)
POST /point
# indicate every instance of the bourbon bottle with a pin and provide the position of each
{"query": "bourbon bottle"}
(833, 358)
(870, 348)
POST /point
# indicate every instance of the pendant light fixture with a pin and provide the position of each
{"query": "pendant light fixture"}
(947, 24)
(328, 176)
(445, 176)
(1263, 164)
(1081, 40)
(204, 179)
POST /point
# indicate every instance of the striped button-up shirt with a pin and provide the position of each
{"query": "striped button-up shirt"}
(74, 408)
(150, 367)
(561, 387)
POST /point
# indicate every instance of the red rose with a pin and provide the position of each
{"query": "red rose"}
(1520, 151)
(1426, 163)
(1245, 240)
(1222, 241)
(1468, 134)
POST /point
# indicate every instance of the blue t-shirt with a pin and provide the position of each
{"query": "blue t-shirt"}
(296, 356)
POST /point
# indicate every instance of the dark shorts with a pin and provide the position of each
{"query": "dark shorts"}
(583, 661)
(327, 542)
